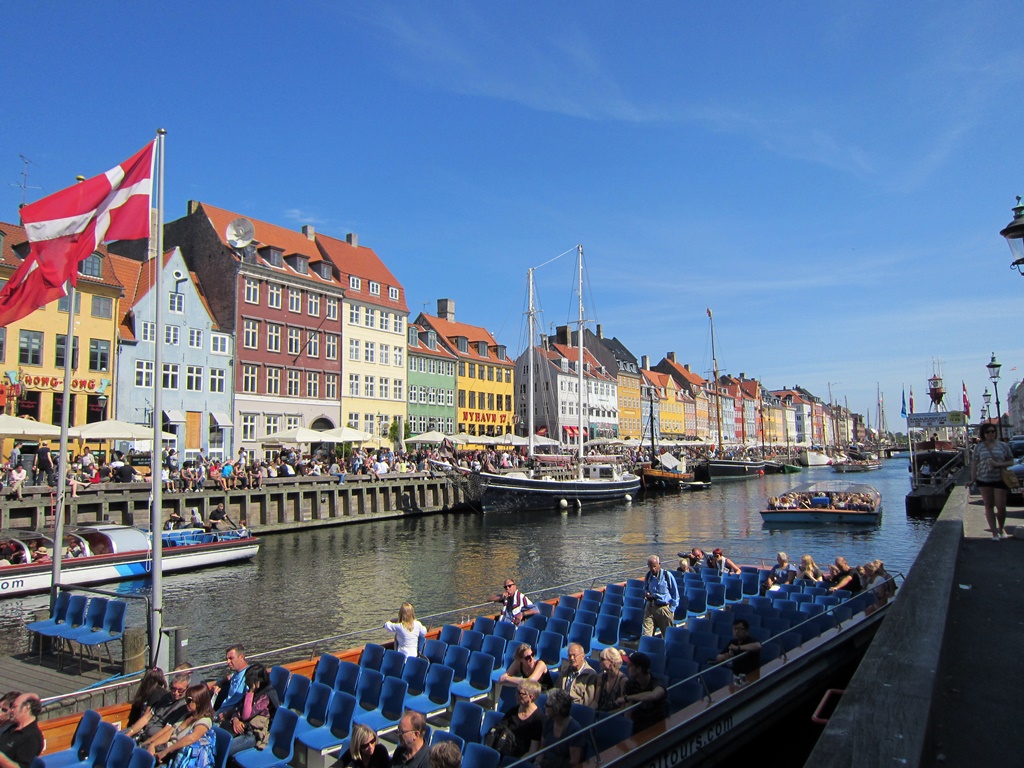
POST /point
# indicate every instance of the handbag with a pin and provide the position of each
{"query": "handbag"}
(501, 739)
(1010, 479)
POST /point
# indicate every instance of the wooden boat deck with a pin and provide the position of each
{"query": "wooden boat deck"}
(23, 672)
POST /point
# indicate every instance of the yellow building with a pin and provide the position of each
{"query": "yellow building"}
(483, 373)
(33, 349)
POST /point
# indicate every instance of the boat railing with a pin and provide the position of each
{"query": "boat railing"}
(946, 474)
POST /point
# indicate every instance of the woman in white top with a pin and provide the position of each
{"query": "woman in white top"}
(407, 630)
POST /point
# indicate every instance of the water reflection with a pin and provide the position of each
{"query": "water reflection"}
(337, 580)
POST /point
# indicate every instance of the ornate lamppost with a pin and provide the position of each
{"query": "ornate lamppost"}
(1014, 234)
(987, 398)
(993, 374)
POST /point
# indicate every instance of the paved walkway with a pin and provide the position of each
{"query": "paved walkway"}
(979, 685)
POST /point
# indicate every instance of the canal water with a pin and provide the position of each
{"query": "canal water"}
(345, 579)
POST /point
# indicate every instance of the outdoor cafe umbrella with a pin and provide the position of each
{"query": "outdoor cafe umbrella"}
(114, 429)
(434, 437)
(298, 435)
(344, 434)
(13, 426)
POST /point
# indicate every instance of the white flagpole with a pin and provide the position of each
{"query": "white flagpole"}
(156, 652)
(62, 457)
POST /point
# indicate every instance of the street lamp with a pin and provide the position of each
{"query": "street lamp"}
(993, 374)
(987, 398)
(1014, 234)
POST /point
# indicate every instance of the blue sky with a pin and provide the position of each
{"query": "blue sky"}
(830, 179)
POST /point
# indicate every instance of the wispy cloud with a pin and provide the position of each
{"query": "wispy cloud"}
(304, 217)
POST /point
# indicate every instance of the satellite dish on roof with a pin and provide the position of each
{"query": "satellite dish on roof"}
(240, 233)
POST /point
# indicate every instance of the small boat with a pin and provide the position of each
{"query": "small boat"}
(829, 501)
(719, 470)
(857, 465)
(812, 458)
(110, 552)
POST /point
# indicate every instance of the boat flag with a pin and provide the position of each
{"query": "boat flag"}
(903, 410)
(911, 398)
(967, 403)
(66, 227)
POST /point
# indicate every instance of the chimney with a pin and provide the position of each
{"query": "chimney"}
(309, 232)
(645, 362)
(193, 206)
(686, 366)
(562, 335)
(743, 376)
(352, 239)
(446, 309)
(672, 358)
(600, 331)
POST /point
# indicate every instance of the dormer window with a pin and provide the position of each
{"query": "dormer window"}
(565, 365)
(355, 283)
(432, 339)
(91, 266)
(414, 339)
(374, 288)
(586, 367)
(481, 348)
(463, 344)
(323, 270)
(273, 256)
(501, 352)
(393, 293)
(299, 263)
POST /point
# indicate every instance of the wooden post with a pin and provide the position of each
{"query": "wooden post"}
(133, 649)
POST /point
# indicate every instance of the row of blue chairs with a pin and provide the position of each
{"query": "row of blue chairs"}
(88, 622)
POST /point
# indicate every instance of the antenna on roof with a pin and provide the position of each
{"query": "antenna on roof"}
(240, 233)
(24, 185)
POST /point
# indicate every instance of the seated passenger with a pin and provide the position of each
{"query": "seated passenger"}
(845, 577)
(365, 750)
(611, 693)
(19, 476)
(693, 561)
(558, 728)
(809, 569)
(743, 650)
(42, 555)
(721, 563)
(74, 547)
(190, 743)
(524, 722)
(526, 666)
(160, 710)
(249, 721)
(577, 678)
(781, 573)
(649, 691)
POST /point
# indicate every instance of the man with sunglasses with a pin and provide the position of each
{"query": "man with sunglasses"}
(170, 710)
(517, 606)
(22, 743)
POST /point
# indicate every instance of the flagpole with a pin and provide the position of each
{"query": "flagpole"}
(62, 457)
(156, 651)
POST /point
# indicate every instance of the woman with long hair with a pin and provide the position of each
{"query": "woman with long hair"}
(365, 750)
(991, 457)
(151, 691)
(526, 665)
(611, 693)
(809, 569)
(189, 744)
(249, 722)
(407, 630)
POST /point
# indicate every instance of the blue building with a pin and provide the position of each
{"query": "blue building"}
(196, 379)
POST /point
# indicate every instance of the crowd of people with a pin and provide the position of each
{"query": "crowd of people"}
(860, 502)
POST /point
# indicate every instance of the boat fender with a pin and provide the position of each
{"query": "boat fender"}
(563, 504)
(628, 497)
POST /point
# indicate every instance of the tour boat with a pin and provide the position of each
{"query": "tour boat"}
(112, 552)
(829, 501)
(857, 465)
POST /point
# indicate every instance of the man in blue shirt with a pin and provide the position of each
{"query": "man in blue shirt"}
(235, 657)
(662, 595)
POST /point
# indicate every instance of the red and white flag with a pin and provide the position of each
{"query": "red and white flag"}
(967, 403)
(67, 227)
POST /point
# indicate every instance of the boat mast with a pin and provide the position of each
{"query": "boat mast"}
(579, 373)
(532, 359)
(718, 398)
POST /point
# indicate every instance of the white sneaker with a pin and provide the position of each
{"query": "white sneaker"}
(1004, 535)
(995, 538)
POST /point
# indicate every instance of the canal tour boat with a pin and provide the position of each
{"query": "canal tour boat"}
(857, 465)
(108, 552)
(827, 501)
(710, 709)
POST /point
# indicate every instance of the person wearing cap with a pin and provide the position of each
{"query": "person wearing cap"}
(42, 555)
(645, 690)
(721, 563)
(661, 593)
(783, 572)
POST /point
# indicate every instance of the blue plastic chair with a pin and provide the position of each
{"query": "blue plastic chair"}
(472, 639)
(750, 584)
(585, 617)
(564, 612)
(295, 694)
(477, 680)
(415, 672)
(593, 606)
(314, 713)
(496, 647)
(582, 634)
(635, 584)
(457, 658)
(467, 718)
(372, 656)
(483, 624)
(120, 753)
(682, 695)
(102, 739)
(538, 621)
(281, 746)
(57, 617)
(279, 680)
(111, 630)
(698, 602)
(527, 635)
(506, 629)
(389, 708)
(595, 595)
(451, 634)
(546, 609)
(338, 728)
(716, 677)
(392, 664)
(606, 633)
(221, 748)
(326, 669)
(733, 588)
(561, 626)
(434, 651)
(371, 682)
(347, 678)
(715, 595)
(80, 742)
(480, 756)
(437, 736)
(613, 730)
(631, 625)
(568, 601)
(142, 759)
(610, 607)
(437, 695)
(614, 589)
(549, 647)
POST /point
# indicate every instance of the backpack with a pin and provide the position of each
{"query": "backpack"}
(501, 739)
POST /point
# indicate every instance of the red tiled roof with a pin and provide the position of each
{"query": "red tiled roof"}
(362, 262)
(287, 240)
(422, 349)
(14, 235)
(572, 353)
(684, 374)
(449, 331)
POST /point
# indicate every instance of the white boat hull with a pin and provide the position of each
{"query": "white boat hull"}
(813, 459)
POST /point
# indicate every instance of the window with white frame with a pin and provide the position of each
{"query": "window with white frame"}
(273, 381)
(251, 334)
(313, 305)
(353, 384)
(195, 338)
(450, 397)
(432, 366)
(274, 296)
(252, 291)
(423, 395)
(144, 373)
(432, 396)
(385, 388)
(398, 389)
(294, 300)
(354, 345)
(291, 422)
(332, 309)
(370, 317)
(171, 334)
(398, 356)
(176, 303)
(353, 314)
(218, 379)
(353, 420)
(194, 378)
(148, 330)
(249, 426)
(413, 393)
(374, 288)
(294, 383)
(331, 386)
(385, 321)
(170, 377)
(313, 344)
(392, 293)
(370, 351)
(331, 346)
(273, 337)
(312, 384)
(219, 343)
(355, 283)
(370, 386)
(385, 354)
(294, 341)
(273, 425)
(250, 377)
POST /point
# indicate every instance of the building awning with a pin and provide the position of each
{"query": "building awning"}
(175, 417)
(221, 419)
